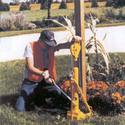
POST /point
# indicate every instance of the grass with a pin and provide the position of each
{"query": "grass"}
(10, 81)
(37, 15)
(108, 16)
(56, 6)
(40, 14)
(12, 33)
(20, 32)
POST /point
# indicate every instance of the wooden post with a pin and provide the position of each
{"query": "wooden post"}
(80, 30)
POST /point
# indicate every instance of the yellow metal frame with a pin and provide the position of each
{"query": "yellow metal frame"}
(75, 113)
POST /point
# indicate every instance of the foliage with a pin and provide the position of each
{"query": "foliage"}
(69, 1)
(97, 44)
(105, 15)
(49, 23)
(13, 21)
(115, 3)
(44, 4)
(115, 14)
(4, 7)
(24, 6)
(15, 2)
(94, 3)
(109, 3)
(119, 3)
(63, 5)
(10, 81)
(105, 98)
(116, 69)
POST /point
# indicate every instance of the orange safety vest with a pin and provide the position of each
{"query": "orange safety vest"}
(43, 57)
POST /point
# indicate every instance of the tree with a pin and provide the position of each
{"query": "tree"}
(44, 4)
(63, 4)
(94, 3)
(109, 3)
(16, 1)
(49, 8)
(119, 3)
(115, 3)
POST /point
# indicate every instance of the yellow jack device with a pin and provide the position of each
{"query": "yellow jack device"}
(76, 113)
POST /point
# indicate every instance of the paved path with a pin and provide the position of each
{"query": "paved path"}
(13, 47)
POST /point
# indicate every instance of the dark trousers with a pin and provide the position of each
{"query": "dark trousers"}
(36, 94)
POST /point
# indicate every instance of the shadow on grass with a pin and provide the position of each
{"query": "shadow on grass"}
(9, 99)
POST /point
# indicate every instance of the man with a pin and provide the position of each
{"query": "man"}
(40, 71)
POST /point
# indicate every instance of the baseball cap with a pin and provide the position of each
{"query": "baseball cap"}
(48, 38)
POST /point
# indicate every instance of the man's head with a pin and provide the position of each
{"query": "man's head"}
(47, 37)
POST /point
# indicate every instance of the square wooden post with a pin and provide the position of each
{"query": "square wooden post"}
(80, 30)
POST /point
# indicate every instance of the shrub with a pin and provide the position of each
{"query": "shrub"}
(69, 1)
(109, 3)
(63, 5)
(44, 4)
(13, 21)
(119, 3)
(4, 7)
(6, 22)
(13, 4)
(25, 6)
(115, 14)
(94, 3)
(115, 3)
(48, 23)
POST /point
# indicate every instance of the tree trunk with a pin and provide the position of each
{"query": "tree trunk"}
(115, 3)
(109, 3)
(63, 5)
(94, 3)
(44, 4)
(49, 8)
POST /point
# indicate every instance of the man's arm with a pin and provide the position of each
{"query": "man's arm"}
(30, 66)
(62, 46)
(28, 54)
(67, 44)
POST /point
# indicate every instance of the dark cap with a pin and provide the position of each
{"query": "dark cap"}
(48, 38)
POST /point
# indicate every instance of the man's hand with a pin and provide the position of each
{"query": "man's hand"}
(45, 74)
(47, 77)
(76, 38)
(49, 80)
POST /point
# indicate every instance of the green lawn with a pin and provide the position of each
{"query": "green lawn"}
(34, 15)
(40, 14)
(13, 33)
(37, 15)
(10, 81)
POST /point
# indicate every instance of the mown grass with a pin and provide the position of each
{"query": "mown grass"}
(40, 14)
(108, 16)
(56, 6)
(10, 81)
(12, 33)
(37, 15)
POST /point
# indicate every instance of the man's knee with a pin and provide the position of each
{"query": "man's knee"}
(24, 94)
(21, 101)
(20, 104)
